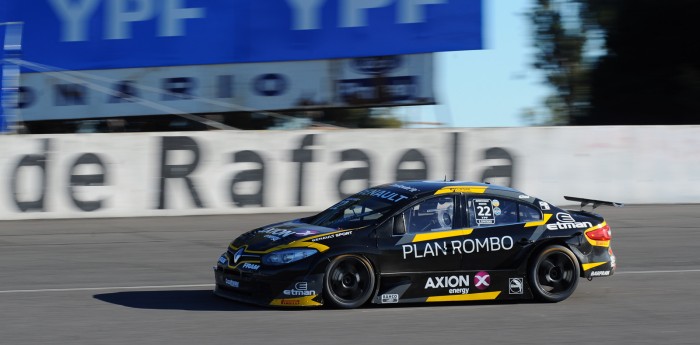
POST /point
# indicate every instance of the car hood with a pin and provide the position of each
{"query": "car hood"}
(279, 234)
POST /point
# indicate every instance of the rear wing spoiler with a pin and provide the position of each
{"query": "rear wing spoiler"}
(593, 202)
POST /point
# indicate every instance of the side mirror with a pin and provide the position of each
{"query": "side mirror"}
(399, 225)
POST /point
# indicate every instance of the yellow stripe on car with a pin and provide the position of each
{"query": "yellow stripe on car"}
(320, 247)
(481, 296)
(461, 189)
(544, 221)
(306, 301)
(588, 266)
(443, 234)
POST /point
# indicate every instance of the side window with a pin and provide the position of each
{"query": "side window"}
(528, 213)
(490, 211)
(434, 214)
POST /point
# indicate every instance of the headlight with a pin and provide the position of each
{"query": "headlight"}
(286, 256)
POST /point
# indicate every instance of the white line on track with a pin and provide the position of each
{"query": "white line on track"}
(149, 287)
(146, 287)
(654, 272)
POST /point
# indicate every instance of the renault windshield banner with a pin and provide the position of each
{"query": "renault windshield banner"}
(106, 34)
(369, 81)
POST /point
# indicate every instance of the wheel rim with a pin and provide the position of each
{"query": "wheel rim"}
(349, 280)
(556, 273)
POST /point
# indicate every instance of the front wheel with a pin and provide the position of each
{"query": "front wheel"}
(553, 274)
(349, 281)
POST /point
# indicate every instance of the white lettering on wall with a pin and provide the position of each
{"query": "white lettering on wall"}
(120, 16)
(306, 14)
(174, 15)
(412, 11)
(74, 15)
(353, 12)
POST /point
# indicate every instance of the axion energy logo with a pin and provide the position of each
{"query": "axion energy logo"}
(482, 280)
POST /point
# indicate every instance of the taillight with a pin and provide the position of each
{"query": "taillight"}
(600, 234)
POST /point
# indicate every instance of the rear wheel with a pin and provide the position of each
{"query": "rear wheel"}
(553, 274)
(349, 281)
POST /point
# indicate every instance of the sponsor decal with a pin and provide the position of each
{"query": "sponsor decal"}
(566, 221)
(290, 301)
(300, 289)
(497, 211)
(238, 254)
(383, 194)
(275, 234)
(400, 186)
(468, 246)
(523, 196)
(515, 286)
(457, 284)
(482, 280)
(600, 273)
(613, 261)
(232, 283)
(483, 211)
(544, 206)
(338, 234)
(575, 225)
(223, 260)
(272, 238)
(390, 298)
(281, 233)
(249, 266)
(565, 217)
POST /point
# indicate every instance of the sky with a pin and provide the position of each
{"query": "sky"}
(490, 87)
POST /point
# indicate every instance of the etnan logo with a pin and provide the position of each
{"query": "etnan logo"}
(482, 280)
(565, 217)
(566, 221)
(300, 289)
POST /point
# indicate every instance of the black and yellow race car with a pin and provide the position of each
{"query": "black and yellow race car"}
(420, 241)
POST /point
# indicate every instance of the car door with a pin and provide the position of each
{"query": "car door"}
(422, 235)
(502, 231)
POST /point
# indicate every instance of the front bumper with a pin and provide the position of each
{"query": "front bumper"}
(281, 288)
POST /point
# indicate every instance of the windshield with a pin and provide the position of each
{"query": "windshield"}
(354, 212)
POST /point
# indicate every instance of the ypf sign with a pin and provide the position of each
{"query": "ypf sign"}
(79, 34)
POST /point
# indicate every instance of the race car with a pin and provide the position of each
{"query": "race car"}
(420, 241)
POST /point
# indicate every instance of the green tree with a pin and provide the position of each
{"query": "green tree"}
(645, 70)
(560, 38)
(651, 72)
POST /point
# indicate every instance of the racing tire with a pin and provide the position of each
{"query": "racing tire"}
(553, 274)
(349, 281)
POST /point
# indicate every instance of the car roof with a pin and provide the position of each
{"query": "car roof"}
(422, 187)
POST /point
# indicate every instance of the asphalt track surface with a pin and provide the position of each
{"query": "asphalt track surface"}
(148, 281)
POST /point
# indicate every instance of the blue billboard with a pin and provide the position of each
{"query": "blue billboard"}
(108, 34)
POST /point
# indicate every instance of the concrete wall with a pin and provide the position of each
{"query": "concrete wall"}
(150, 174)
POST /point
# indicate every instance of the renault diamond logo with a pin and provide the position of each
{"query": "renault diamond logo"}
(237, 255)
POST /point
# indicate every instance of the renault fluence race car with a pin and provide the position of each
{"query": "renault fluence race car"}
(420, 241)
